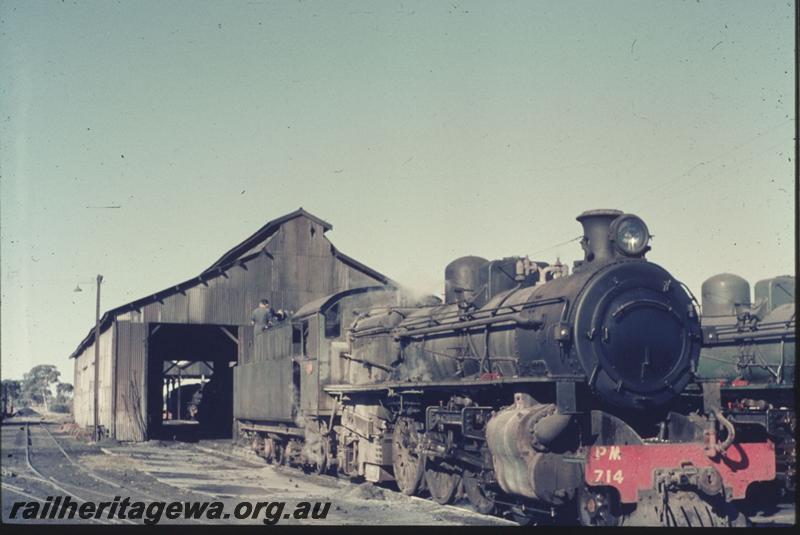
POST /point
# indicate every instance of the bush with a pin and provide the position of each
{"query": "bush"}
(60, 407)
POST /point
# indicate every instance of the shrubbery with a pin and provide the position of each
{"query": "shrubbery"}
(61, 407)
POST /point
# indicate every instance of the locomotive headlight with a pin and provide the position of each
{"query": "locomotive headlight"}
(630, 235)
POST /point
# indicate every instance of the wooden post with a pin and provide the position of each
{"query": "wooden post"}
(178, 408)
(97, 362)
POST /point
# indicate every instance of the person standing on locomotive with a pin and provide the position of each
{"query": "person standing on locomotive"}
(262, 317)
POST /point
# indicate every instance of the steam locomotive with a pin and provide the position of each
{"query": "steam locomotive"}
(531, 391)
(747, 373)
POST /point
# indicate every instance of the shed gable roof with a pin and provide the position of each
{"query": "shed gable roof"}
(262, 234)
(242, 251)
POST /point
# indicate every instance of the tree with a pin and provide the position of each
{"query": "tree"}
(63, 401)
(12, 394)
(36, 383)
(64, 392)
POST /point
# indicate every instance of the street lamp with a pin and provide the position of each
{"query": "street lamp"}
(96, 356)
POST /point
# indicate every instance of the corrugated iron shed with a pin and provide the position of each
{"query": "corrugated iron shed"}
(288, 260)
(233, 257)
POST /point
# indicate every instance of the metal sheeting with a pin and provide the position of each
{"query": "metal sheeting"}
(345, 277)
(341, 276)
(298, 266)
(106, 390)
(83, 397)
(224, 304)
(303, 263)
(269, 390)
(267, 231)
(298, 233)
(245, 349)
(255, 284)
(152, 313)
(310, 367)
(356, 279)
(188, 370)
(198, 303)
(324, 365)
(131, 401)
(262, 382)
(226, 300)
(175, 309)
(273, 343)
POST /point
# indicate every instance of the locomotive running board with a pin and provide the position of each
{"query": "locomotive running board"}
(397, 385)
(279, 429)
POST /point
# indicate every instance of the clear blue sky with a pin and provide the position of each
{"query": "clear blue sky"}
(421, 130)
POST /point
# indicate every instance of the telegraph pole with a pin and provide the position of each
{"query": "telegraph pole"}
(97, 361)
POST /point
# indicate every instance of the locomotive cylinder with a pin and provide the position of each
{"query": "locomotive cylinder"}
(519, 437)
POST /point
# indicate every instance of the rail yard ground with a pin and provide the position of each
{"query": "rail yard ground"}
(55, 464)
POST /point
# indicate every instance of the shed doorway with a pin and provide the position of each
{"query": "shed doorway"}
(190, 380)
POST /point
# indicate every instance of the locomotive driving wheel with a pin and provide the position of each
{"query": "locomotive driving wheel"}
(442, 479)
(477, 494)
(268, 451)
(408, 464)
(279, 454)
(255, 445)
(323, 451)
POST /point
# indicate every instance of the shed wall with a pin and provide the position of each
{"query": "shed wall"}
(302, 268)
(227, 299)
(83, 400)
(131, 396)
(298, 266)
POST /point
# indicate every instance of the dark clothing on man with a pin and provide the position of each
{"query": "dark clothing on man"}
(262, 318)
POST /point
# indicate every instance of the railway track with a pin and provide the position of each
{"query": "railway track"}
(39, 483)
(42, 451)
(7, 487)
(63, 486)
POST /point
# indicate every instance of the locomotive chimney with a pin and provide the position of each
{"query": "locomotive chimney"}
(596, 244)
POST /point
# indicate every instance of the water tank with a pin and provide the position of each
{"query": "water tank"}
(721, 294)
(461, 276)
(775, 292)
